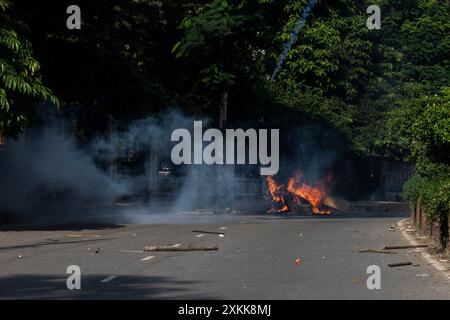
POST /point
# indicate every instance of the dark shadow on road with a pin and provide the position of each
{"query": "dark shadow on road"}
(339, 215)
(50, 242)
(122, 287)
(72, 226)
(194, 219)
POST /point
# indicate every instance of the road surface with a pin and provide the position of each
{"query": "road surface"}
(256, 260)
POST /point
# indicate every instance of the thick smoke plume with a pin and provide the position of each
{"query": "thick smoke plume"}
(46, 175)
(44, 165)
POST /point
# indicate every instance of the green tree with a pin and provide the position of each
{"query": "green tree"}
(21, 87)
(428, 129)
(224, 42)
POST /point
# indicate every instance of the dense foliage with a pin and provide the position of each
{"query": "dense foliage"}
(20, 81)
(429, 140)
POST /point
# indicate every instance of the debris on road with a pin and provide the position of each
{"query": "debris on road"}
(83, 235)
(422, 275)
(222, 228)
(400, 264)
(182, 247)
(412, 246)
(298, 261)
(221, 235)
(210, 232)
(108, 279)
(20, 256)
(97, 251)
(391, 228)
(147, 258)
(410, 229)
(376, 251)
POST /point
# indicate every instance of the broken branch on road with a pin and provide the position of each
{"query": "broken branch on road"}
(183, 247)
(400, 264)
(406, 247)
(376, 251)
(210, 232)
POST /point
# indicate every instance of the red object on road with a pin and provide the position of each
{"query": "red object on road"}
(298, 261)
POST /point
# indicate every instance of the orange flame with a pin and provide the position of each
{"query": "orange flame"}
(274, 190)
(300, 190)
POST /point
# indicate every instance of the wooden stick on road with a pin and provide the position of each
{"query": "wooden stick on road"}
(183, 247)
(210, 232)
(376, 251)
(406, 247)
(400, 264)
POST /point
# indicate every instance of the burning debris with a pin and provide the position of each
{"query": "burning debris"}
(297, 195)
(277, 193)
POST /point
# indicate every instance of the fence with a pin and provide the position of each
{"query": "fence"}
(436, 229)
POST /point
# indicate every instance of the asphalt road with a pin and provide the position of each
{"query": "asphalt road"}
(256, 260)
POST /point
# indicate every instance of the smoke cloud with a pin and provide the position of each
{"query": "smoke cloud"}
(46, 175)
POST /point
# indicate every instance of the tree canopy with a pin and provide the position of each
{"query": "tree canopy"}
(21, 84)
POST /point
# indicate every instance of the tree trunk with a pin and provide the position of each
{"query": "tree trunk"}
(220, 189)
(2, 139)
(223, 109)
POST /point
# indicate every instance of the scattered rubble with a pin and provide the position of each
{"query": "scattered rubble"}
(422, 275)
(410, 229)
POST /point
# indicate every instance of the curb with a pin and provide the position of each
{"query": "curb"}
(428, 257)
